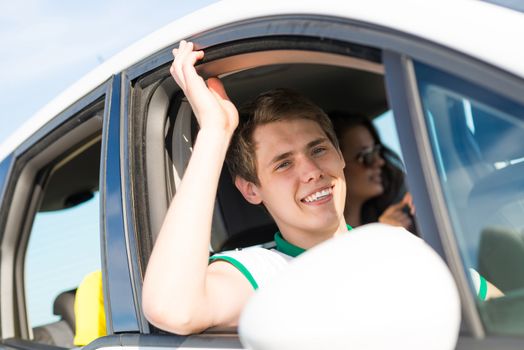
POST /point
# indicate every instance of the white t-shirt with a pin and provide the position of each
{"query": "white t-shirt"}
(258, 265)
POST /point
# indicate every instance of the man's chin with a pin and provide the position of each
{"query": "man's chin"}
(325, 224)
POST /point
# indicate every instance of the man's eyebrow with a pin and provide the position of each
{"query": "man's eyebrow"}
(280, 157)
(316, 142)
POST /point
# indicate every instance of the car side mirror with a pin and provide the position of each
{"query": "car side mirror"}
(377, 287)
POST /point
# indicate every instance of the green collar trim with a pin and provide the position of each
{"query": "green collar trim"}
(287, 248)
(290, 249)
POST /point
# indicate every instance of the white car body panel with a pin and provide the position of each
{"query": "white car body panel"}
(484, 31)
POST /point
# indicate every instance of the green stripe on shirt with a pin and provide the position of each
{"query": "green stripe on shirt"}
(240, 267)
(483, 289)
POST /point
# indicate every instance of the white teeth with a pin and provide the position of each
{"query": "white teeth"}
(318, 195)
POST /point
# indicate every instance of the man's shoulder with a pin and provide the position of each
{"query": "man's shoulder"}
(259, 265)
(254, 255)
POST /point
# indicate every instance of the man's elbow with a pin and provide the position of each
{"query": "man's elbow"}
(172, 319)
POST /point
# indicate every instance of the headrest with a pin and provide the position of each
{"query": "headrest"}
(245, 224)
(501, 257)
(236, 223)
(64, 306)
(498, 190)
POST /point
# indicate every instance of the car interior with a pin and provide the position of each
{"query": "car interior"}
(60, 172)
(481, 161)
(348, 79)
(359, 89)
(61, 192)
(476, 137)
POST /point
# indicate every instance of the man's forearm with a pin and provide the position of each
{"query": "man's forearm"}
(176, 273)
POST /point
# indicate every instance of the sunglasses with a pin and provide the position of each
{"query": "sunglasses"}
(367, 156)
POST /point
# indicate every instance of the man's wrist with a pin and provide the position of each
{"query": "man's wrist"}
(215, 134)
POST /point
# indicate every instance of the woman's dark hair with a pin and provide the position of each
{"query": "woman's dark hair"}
(393, 179)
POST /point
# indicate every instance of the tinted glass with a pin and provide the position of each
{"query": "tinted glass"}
(478, 145)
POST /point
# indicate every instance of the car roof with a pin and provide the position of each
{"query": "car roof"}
(458, 24)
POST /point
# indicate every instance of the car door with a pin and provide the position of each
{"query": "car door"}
(464, 118)
(50, 223)
(158, 132)
(408, 63)
(336, 63)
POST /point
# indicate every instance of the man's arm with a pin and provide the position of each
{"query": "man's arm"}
(181, 292)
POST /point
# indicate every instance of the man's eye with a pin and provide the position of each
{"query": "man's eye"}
(319, 150)
(283, 165)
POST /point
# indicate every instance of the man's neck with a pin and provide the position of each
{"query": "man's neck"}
(308, 239)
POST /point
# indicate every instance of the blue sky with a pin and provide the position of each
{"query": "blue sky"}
(45, 46)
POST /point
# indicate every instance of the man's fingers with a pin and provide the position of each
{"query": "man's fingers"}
(194, 82)
(183, 70)
(184, 49)
(175, 66)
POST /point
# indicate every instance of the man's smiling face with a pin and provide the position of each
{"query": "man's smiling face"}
(301, 176)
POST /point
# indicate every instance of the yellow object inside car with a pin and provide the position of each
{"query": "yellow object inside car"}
(89, 310)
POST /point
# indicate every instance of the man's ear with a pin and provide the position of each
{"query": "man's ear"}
(249, 190)
(341, 157)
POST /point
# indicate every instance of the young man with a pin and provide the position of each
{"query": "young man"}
(285, 157)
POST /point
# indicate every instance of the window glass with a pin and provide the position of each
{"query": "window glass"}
(63, 248)
(387, 130)
(477, 138)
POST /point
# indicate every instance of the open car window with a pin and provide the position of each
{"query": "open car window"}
(333, 81)
(359, 90)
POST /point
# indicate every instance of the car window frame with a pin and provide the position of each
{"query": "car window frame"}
(58, 130)
(345, 30)
(420, 165)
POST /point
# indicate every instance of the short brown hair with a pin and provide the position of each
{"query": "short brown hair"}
(271, 106)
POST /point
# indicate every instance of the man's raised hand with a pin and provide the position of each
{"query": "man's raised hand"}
(210, 103)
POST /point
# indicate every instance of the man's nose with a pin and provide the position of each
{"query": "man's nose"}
(310, 170)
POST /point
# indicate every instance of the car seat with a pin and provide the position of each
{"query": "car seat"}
(496, 221)
(236, 223)
(501, 258)
(59, 333)
(245, 223)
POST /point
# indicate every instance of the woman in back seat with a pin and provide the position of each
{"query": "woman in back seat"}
(376, 190)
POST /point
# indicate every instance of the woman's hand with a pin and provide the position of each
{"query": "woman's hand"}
(210, 103)
(396, 214)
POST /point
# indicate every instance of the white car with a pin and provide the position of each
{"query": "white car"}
(450, 74)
